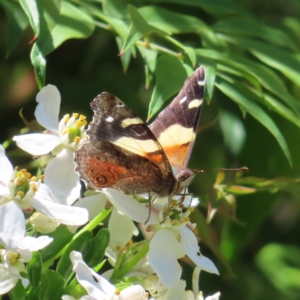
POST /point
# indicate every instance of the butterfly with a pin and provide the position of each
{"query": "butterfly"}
(122, 152)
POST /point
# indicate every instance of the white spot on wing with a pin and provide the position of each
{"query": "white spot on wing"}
(182, 100)
(201, 82)
(109, 119)
(195, 103)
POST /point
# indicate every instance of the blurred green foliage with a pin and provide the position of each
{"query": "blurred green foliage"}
(250, 50)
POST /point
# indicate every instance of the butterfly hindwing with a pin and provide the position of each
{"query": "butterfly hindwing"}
(122, 152)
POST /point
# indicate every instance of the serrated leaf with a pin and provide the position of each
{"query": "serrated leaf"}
(170, 76)
(42, 15)
(39, 64)
(138, 29)
(96, 251)
(17, 22)
(240, 96)
(64, 267)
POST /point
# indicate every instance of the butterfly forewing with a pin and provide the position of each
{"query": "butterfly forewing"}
(176, 126)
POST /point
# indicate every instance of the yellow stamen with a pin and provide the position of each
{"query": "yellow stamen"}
(118, 247)
(23, 170)
(33, 178)
(27, 175)
(20, 193)
(75, 115)
(42, 177)
(77, 139)
(16, 168)
(20, 182)
(78, 123)
(186, 219)
(66, 118)
(83, 122)
(82, 117)
(117, 292)
(191, 209)
(33, 186)
(19, 175)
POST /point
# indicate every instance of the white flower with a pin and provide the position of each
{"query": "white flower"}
(172, 239)
(18, 248)
(98, 287)
(29, 193)
(62, 138)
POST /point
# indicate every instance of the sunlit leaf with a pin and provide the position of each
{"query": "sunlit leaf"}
(39, 64)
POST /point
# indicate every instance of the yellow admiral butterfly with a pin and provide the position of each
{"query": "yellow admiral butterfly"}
(124, 153)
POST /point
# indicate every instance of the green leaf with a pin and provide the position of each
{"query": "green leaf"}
(51, 286)
(210, 76)
(286, 62)
(96, 251)
(172, 22)
(214, 7)
(170, 76)
(265, 76)
(61, 237)
(125, 58)
(42, 15)
(39, 64)
(73, 24)
(116, 8)
(138, 29)
(233, 130)
(241, 97)
(246, 27)
(34, 269)
(17, 22)
(64, 267)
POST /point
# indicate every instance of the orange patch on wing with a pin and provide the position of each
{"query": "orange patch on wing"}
(177, 154)
(105, 174)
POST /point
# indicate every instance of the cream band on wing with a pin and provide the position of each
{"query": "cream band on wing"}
(131, 121)
(195, 103)
(176, 135)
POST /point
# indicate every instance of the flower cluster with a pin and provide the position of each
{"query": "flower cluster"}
(34, 211)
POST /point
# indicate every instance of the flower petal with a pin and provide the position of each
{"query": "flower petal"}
(163, 252)
(65, 214)
(7, 281)
(121, 229)
(62, 179)
(130, 207)
(95, 285)
(12, 225)
(6, 168)
(134, 292)
(94, 204)
(37, 143)
(47, 110)
(190, 243)
(34, 244)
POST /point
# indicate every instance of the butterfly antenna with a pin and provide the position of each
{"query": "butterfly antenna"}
(242, 169)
